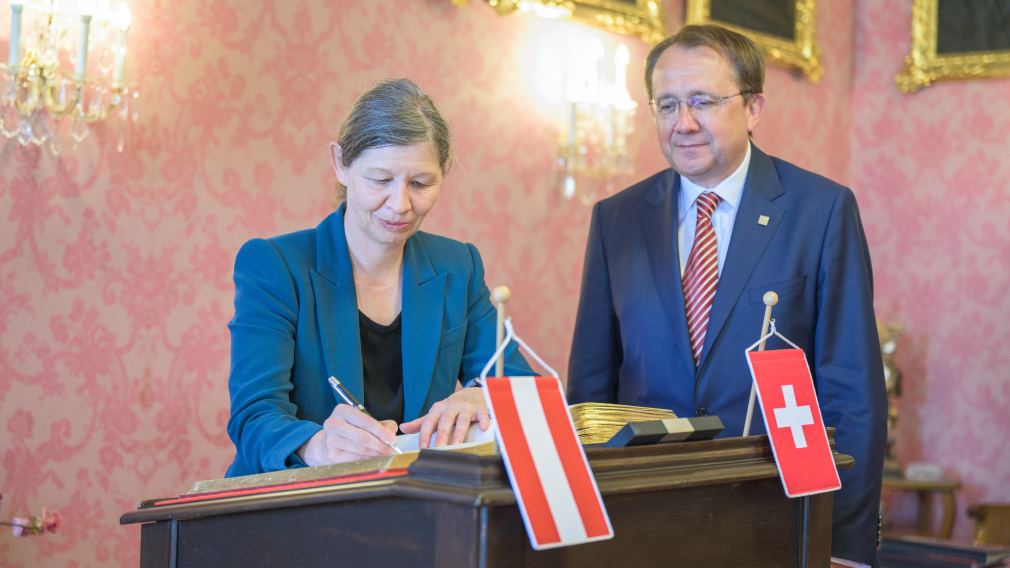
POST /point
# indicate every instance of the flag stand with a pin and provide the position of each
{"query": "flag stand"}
(499, 354)
(770, 299)
(803, 505)
(500, 295)
(557, 495)
(804, 530)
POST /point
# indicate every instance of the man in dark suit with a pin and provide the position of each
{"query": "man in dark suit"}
(676, 267)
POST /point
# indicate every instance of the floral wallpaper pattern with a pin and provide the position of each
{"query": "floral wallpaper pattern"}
(115, 268)
(932, 174)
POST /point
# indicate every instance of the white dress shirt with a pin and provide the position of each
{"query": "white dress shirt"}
(730, 190)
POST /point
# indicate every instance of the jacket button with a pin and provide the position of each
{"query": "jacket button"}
(701, 411)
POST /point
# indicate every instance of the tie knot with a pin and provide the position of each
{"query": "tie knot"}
(707, 202)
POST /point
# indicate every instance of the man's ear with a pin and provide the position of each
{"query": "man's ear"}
(755, 104)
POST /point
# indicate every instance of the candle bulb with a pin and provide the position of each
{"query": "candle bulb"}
(121, 20)
(82, 51)
(15, 58)
(621, 59)
(119, 58)
(596, 70)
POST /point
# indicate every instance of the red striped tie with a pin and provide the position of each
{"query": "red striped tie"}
(701, 277)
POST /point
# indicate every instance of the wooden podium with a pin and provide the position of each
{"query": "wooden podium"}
(712, 503)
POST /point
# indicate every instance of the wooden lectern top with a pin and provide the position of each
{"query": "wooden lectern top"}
(712, 503)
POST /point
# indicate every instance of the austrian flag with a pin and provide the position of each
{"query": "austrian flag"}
(557, 493)
(793, 421)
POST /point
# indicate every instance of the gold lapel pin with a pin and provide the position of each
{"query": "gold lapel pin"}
(763, 220)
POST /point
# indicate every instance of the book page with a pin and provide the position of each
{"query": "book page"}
(474, 437)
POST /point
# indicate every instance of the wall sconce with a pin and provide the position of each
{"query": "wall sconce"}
(597, 119)
(65, 71)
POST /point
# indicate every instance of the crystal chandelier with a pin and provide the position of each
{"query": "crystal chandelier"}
(65, 72)
(597, 120)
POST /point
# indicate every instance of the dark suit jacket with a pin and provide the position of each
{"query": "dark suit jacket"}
(631, 344)
(296, 323)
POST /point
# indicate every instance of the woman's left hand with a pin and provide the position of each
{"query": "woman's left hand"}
(450, 418)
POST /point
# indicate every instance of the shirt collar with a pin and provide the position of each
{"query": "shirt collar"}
(729, 189)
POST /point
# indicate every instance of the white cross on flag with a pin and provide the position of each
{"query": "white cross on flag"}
(793, 421)
(557, 493)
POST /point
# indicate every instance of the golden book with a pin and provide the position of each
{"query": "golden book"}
(595, 423)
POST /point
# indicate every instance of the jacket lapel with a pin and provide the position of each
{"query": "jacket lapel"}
(423, 306)
(659, 229)
(747, 244)
(337, 305)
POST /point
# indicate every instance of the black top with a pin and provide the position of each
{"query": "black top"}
(382, 363)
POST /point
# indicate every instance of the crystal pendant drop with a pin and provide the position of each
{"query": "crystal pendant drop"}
(9, 121)
(79, 129)
(25, 133)
(41, 129)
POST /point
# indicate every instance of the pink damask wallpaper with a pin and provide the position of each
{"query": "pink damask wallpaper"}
(932, 174)
(115, 268)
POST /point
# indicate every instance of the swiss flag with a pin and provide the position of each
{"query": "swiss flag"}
(557, 493)
(793, 421)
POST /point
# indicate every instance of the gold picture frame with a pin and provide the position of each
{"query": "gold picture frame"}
(800, 51)
(924, 64)
(641, 18)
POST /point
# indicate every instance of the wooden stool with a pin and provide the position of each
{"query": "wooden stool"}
(944, 489)
(992, 523)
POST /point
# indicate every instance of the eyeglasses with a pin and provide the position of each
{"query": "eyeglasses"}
(701, 104)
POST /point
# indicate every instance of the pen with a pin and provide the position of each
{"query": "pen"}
(349, 399)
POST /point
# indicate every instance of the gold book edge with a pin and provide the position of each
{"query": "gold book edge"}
(595, 423)
(375, 465)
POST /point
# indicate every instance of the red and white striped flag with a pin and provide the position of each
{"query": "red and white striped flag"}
(557, 493)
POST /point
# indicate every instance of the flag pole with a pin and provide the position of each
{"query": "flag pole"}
(500, 296)
(770, 299)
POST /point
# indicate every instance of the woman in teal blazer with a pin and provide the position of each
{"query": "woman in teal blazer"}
(327, 301)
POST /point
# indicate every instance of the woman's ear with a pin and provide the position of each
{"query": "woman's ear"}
(338, 163)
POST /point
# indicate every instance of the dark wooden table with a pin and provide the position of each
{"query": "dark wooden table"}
(713, 503)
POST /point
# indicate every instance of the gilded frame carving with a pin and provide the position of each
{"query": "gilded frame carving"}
(800, 52)
(641, 18)
(923, 64)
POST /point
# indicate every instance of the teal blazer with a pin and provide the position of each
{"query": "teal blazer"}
(296, 323)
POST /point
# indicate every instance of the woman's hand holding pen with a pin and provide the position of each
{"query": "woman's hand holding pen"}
(347, 435)
(451, 418)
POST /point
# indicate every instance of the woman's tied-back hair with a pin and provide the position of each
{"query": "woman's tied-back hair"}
(395, 112)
